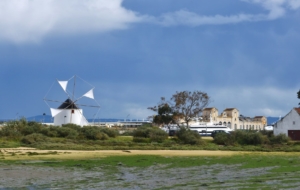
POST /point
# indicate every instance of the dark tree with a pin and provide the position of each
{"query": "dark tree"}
(298, 93)
(182, 107)
(189, 105)
(164, 113)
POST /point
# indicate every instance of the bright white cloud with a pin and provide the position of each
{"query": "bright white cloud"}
(30, 20)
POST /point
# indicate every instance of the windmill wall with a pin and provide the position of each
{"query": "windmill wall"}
(74, 116)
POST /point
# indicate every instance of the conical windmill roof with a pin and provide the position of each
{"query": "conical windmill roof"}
(68, 104)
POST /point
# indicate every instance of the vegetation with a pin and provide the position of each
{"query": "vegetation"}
(184, 105)
(187, 136)
(68, 137)
(240, 137)
(243, 171)
(149, 134)
(32, 132)
(298, 94)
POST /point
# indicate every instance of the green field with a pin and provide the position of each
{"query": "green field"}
(241, 171)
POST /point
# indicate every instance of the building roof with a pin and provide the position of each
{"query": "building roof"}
(210, 108)
(68, 104)
(297, 110)
(229, 109)
(258, 116)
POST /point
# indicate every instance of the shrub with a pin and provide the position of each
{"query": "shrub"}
(153, 133)
(143, 132)
(158, 135)
(110, 132)
(267, 133)
(280, 139)
(33, 138)
(10, 131)
(66, 132)
(127, 133)
(187, 136)
(50, 131)
(222, 139)
(72, 126)
(32, 127)
(93, 133)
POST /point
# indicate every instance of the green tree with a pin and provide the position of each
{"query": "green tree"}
(298, 93)
(164, 113)
(189, 105)
(183, 106)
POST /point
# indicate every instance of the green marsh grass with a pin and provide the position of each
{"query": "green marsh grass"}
(282, 169)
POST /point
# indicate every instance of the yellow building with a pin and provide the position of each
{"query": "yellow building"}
(231, 117)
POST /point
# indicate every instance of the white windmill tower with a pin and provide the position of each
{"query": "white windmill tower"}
(69, 110)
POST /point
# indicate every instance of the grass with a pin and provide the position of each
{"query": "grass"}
(282, 169)
(9, 143)
(126, 143)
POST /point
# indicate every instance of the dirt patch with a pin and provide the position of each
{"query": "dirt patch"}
(34, 154)
(28, 154)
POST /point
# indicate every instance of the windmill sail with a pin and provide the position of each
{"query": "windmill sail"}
(63, 84)
(89, 94)
(54, 111)
(69, 111)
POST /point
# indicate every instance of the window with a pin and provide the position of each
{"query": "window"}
(294, 122)
(72, 111)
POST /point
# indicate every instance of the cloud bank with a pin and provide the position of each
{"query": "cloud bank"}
(31, 20)
(275, 9)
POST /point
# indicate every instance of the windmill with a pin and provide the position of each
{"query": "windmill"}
(70, 111)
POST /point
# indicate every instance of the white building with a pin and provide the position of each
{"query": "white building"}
(68, 112)
(289, 125)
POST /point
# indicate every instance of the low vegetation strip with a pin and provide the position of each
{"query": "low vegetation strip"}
(73, 137)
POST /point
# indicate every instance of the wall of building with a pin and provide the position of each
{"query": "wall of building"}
(290, 122)
(231, 118)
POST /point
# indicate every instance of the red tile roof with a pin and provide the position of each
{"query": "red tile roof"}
(297, 110)
(229, 109)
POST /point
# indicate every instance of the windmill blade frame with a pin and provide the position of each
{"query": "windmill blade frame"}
(69, 109)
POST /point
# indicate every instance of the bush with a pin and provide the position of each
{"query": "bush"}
(50, 131)
(33, 138)
(72, 126)
(223, 139)
(93, 133)
(110, 132)
(127, 133)
(66, 132)
(280, 139)
(153, 133)
(187, 136)
(158, 135)
(10, 131)
(142, 132)
(32, 127)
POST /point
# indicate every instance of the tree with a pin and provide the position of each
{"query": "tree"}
(298, 95)
(183, 105)
(189, 105)
(164, 113)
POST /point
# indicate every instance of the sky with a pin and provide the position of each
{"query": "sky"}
(243, 53)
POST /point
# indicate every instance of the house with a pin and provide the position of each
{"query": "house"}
(289, 125)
